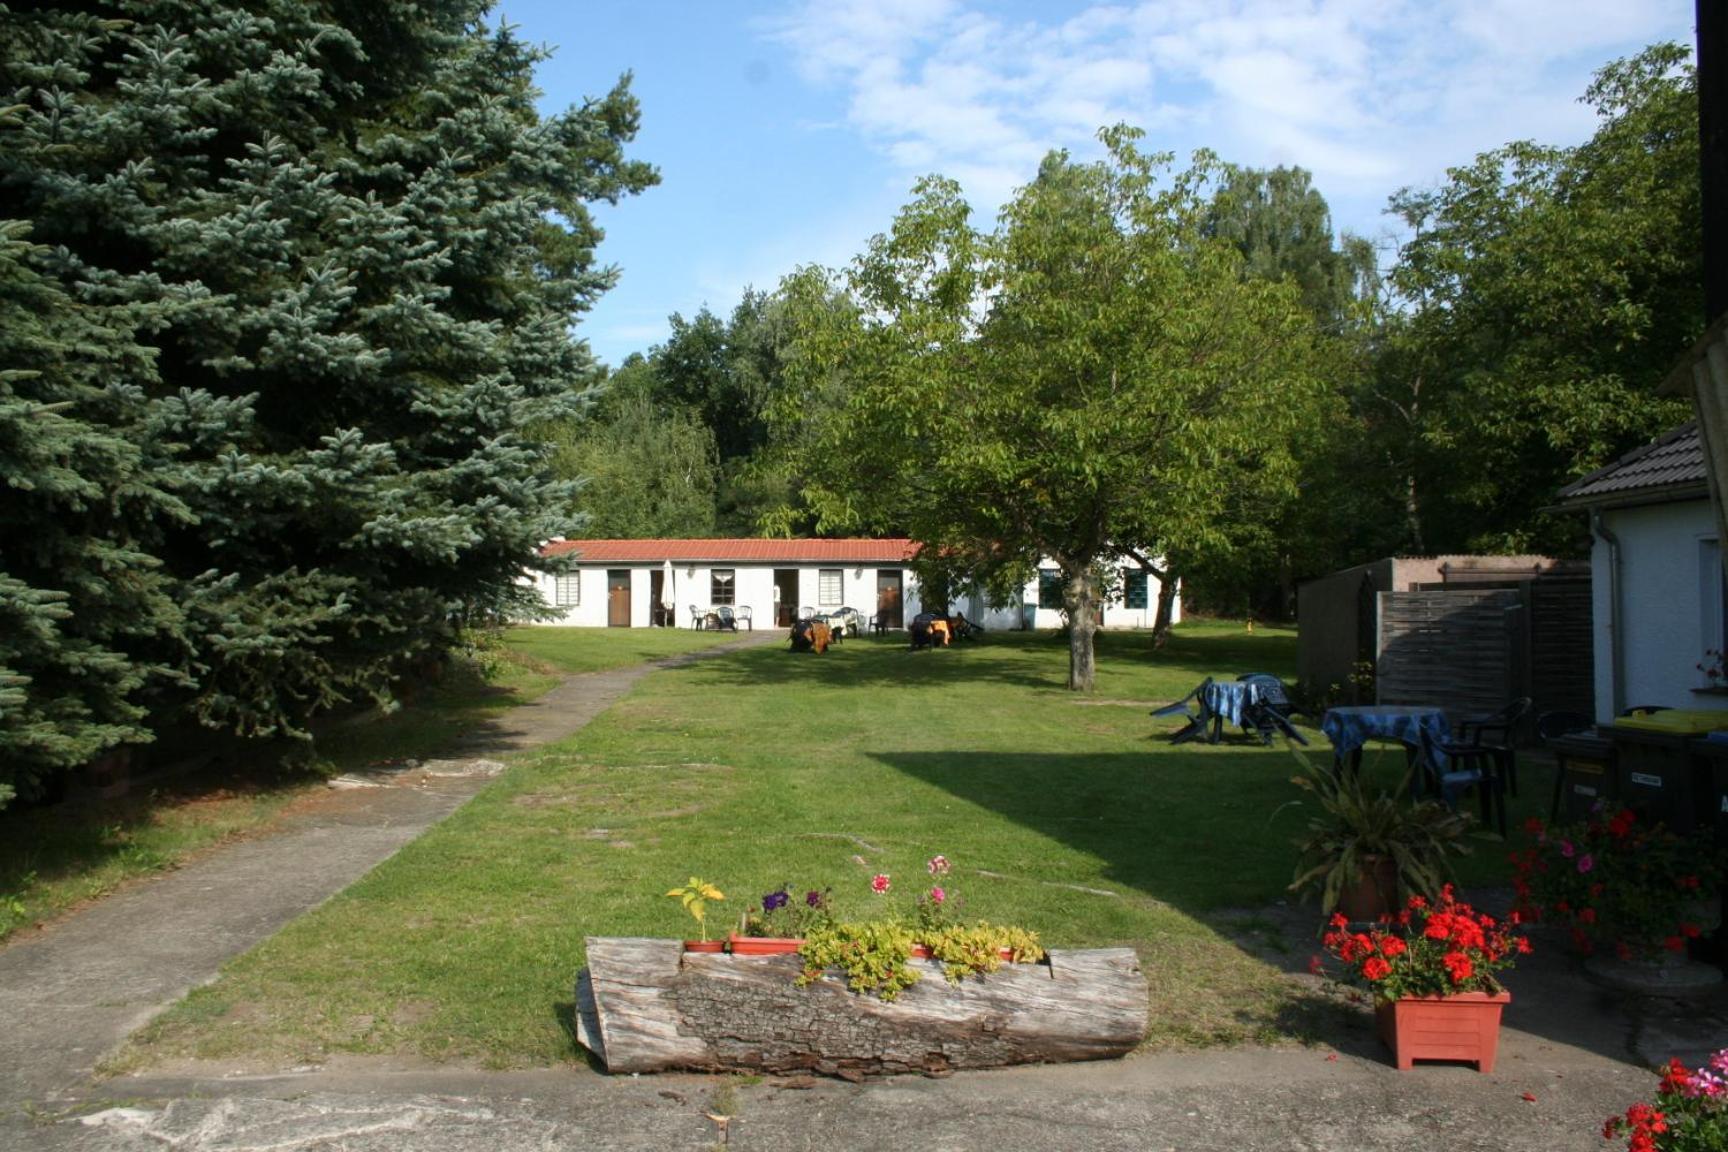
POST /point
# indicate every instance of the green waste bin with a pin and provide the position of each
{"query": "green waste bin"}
(1585, 762)
(1656, 770)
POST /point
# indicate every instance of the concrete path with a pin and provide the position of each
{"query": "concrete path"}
(71, 993)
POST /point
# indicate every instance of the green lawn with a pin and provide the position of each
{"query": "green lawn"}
(575, 650)
(1073, 816)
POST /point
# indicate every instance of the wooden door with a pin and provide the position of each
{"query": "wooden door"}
(888, 606)
(618, 598)
(785, 596)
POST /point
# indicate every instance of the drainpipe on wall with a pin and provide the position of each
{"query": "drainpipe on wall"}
(1616, 648)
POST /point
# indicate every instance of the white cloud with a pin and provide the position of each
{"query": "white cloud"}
(1369, 94)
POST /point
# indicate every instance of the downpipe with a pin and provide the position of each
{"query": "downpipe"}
(1616, 643)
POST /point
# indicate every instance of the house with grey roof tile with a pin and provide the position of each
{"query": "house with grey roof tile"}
(1657, 586)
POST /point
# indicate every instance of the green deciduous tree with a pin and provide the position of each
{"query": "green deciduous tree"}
(350, 250)
(1095, 378)
(1546, 293)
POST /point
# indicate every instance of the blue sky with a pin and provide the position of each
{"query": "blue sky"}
(788, 133)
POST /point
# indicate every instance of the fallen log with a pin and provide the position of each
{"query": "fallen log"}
(644, 1005)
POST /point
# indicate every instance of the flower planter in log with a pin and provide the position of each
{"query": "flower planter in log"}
(1464, 1026)
(644, 1005)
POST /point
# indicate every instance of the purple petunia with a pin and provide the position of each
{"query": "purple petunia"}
(814, 899)
(774, 900)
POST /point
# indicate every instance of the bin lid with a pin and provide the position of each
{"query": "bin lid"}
(1676, 721)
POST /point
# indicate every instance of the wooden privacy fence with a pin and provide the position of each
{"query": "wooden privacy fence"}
(1461, 650)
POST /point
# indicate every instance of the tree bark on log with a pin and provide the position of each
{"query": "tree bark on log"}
(644, 1005)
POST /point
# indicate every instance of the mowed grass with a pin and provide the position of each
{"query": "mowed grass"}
(577, 650)
(55, 858)
(1070, 815)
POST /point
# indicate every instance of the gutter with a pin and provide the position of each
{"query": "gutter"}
(1616, 649)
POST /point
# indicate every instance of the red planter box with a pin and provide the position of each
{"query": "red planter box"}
(764, 945)
(1464, 1027)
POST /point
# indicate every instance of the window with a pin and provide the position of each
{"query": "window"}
(1049, 588)
(828, 588)
(567, 589)
(722, 586)
(1134, 589)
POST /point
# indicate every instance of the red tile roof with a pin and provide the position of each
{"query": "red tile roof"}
(736, 551)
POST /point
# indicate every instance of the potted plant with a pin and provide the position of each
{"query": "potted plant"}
(1623, 886)
(780, 922)
(1690, 1113)
(1431, 972)
(1367, 848)
(695, 896)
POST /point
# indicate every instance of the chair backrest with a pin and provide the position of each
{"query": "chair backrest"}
(743, 611)
(724, 611)
(1271, 688)
(1552, 724)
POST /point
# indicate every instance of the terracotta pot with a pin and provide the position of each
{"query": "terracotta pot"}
(1464, 1026)
(764, 945)
(704, 945)
(1374, 893)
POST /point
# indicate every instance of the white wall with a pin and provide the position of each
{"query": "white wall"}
(693, 585)
(1117, 614)
(1670, 605)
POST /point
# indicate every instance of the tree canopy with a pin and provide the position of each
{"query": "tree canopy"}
(1093, 379)
(285, 286)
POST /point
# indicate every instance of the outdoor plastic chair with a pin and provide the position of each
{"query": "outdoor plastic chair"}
(1269, 712)
(744, 616)
(1467, 766)
(696, 615)
(1498, 731)
(728, 620)
(1199, 716)
(1551, 726)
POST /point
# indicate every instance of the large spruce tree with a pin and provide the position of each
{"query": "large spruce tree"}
(298, 276)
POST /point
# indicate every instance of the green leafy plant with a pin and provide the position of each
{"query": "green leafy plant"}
(785, 913)
(874, 955)
(695, 896)
(1437, 948)
(1617, 881)
(970, 950)
(1357, 824)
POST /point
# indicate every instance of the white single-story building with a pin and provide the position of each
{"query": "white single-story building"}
(1656, 562)
(622, 583)
(771, 582)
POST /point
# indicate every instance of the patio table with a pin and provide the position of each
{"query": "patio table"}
(1225, 699)
(1350, 728)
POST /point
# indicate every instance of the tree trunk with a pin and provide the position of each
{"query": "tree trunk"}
(1081, 600)
(646, 1006)
(1161, 625)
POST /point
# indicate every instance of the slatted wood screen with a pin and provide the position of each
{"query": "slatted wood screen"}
(1562, 648)
(1459, 650)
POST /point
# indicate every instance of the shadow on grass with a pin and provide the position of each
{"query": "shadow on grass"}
(1158, 820)
(1015, 659)
(1210, 834)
